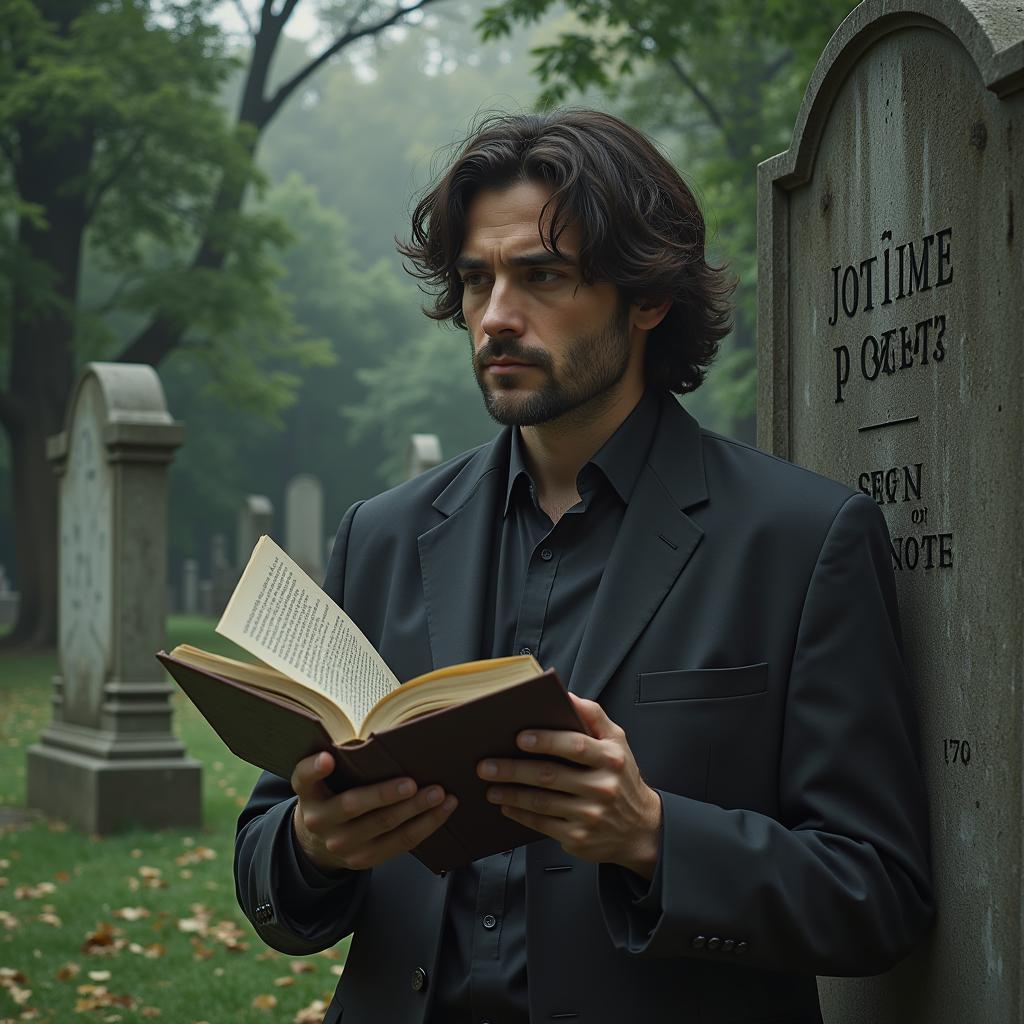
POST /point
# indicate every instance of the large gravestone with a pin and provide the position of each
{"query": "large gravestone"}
(304, 523)
(891, 278)
(109, 759)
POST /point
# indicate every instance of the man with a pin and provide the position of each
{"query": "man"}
(747, 810)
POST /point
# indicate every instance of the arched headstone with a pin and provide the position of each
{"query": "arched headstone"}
(109, 759)
(891, 277)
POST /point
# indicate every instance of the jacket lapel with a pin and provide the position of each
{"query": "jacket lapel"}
(655, 541)
(455, 555)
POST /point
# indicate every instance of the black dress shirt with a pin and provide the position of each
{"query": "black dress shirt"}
(543, 581)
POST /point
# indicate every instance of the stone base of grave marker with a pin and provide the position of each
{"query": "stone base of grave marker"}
(129, 772)
(102, 796)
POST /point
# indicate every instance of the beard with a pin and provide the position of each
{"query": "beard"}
(594, 364)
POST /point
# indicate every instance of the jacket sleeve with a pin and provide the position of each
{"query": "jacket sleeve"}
(293, 907)
(840, 884)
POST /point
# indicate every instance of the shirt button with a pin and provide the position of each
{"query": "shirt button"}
(489, 921)
(525, 650)
(418, 981)
(698, 941)
(546, 554)
(728, 945)
(741, 948)
(714, 943)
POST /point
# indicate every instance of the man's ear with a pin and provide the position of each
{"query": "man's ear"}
(646, 314)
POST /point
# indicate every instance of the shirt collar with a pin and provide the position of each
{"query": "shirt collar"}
(620, 458)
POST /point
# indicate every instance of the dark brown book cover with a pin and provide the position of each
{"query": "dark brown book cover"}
(441, 747)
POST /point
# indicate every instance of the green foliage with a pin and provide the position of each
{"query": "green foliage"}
(133, 90)
(425, 386)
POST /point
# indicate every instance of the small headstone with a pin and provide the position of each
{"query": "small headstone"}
(304, 523)
(190, 586)
(424, 452)
(891, 279)
(108, 759)
(255, 518)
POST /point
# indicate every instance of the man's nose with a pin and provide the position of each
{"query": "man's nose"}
(503, 314)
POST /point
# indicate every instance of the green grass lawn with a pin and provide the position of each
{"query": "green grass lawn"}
(141, 926)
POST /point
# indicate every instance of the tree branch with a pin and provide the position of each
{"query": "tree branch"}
(776, 66)
(244, 15)
(705, 101)
(119, 168)
(288, 87)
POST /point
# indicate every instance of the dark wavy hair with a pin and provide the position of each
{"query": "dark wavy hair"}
(640, 227)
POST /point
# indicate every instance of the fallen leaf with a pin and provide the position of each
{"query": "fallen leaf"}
(99, 975)
(301, 966)
(285, 981)
(312, 1014)
(264, 1002)
(68, 971)
(131, 913)
(33, 892)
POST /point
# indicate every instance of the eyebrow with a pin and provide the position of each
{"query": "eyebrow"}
(530, 259)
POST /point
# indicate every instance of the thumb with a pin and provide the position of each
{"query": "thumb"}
(592, 715)
(307, 778)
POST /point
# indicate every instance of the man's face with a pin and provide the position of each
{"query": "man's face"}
(544, 343)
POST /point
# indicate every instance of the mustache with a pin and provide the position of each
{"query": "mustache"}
(504, 348)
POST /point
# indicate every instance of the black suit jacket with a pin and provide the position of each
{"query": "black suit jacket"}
(745, 634)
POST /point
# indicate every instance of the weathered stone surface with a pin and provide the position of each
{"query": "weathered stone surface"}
(304, 523)
(109, 759)
(891, 276)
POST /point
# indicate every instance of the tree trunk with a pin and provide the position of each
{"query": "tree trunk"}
(42, 366)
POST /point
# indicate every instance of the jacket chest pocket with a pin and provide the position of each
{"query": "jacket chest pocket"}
(683, 721)
(701, 684)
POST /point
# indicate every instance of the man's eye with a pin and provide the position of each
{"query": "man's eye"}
(472, 280)
(543, 276)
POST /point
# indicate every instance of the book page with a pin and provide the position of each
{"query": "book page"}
(282, 617)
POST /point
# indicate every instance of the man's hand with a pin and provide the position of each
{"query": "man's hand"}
(601, 811)
(361, 827)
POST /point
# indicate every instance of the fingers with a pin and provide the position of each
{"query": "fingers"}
(373, 824)
(400, 839)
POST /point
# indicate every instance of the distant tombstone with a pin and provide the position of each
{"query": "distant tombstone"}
(304, 523)
(255, 518)
(891, 284)
(8, 600)
(424, 453)
(190, 586)
(222, 574)
(109, 759)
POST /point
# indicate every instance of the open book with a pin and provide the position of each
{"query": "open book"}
(321, 685)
